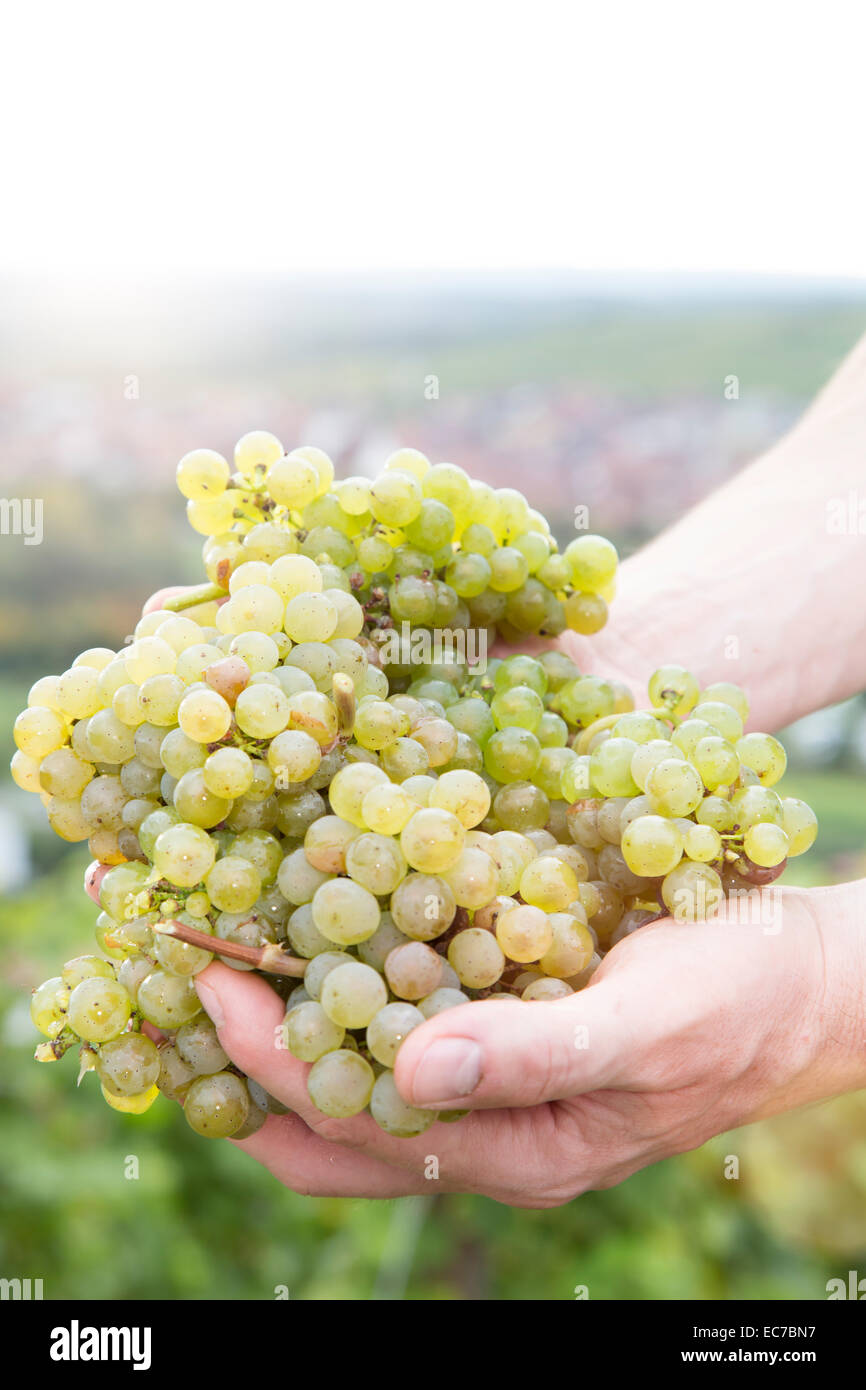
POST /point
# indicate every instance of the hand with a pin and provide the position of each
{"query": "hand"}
(686, 1031)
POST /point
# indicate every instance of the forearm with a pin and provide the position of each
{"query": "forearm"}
(764, 583)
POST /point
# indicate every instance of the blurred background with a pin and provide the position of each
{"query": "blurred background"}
(632, 394)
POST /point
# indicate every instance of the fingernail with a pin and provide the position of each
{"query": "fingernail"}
(211, 1003)
(449, 1069)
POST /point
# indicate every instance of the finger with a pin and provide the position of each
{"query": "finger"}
(307, 1163)
(156, 601)
(489, 1054)
(93, 876)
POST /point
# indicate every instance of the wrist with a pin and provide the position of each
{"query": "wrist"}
(839, 917)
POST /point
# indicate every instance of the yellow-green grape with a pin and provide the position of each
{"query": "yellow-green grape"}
(349, 787)
(128, 1065)
(313, 713)
(511, 755)
(396, 498)
(464, 794)
(728, 694)
(585, 613)
(509, 569)
(405, 758)
(652, 846)
(717, 812)
(378, 724)
(295, 574)
(408, 461)
(126, 703)
(546, 990)
(524, 932)
(194, 803)
(212, 516)
(259, 651)
(702, 843)
(262, 711)
(184, 854)
(256, 452)
(297, 879)
(800, 824)
(159, 698)
(592, 563)
(438, 1002)
(310, 618)
(48, 1006)
(473, 878)
(549, 883)
(294, 756)
(692, 892)
(326, 842)
(62, 773)
(766, 844)
(179, 754)
(26, 770)
(217, 1106)
(753, 804)
(675, 689)
(432, 840)
(345, 912)
(388, 1028)
(83, 968)
(194, 661)
(254, 608)
(353, 495)
(374, 554)
(477, 958)
(111, 741)
(204, 716)
(227, 773)
(353, 994)
(309, 1033)
(675, 787)
(293, 482)
(423, 906)
(179, 632)
(199, 1046)
(610, 767)
(320, 461)
(687, 735)
(571, 949)
(102, 803)
(723, 718)
(386, 808)
(260, 848)
(586, 699)
(340, 1083)
(38, 731)
(320, 967)
(44, 693)
(149, 656)
(350, 614)
(518, 707)
(98, 1009)
(131, 1105)
(376, 862)
(716, 761)
(233, 884)
(167, 1000)
(202, 474)
(393, 1114)
(764, 755)
(414, 970)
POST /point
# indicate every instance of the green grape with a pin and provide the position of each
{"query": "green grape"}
(586, 699)
(233, 884)
(98, 1009)
(473, 879)
(468, 574)
(548, 883)
(340, 1083)
(201, 474)
(412, 600)
(441, 999)
(511, 755)
(393, 1114)
(309, 1033)
(48, 1006)
(521, 806)
(692, 892)
(716, 761)
(84, 968)
(196, 804)
(175, 1076)
(352, 994)
(199, 1046)
(592, 562)
(585, 613)
(702, 843)
(674, 787)
(524, 932)
(379, 725)
(408, 461)
(552, 730)
(297, 879)
(62, 773)
(800, 824)
(432, 840)
(728, 694)
(520, 670)
(167, 1000)
(349, 787)
(326, 842)
(344, 912)
(260, 849)
(764, 755)
(753, 804)
(120, 885)
(723, 718)
(674, 689)
(610, 767)
(128, 1065)
(413, 970)
(204, 716)
(766, 844)
(652, 846)
(477, 958)
(396, 498)
(517, 707)
(376, 862)
(39, 731)
(227, 773)
(152, 827)
(389, 1027)
(296, 813)
(571, 950)
(717, 813)
(464, 794)
(438, 738)
(217, 1106)
(423, 906)
(546, 990)
(138, 780)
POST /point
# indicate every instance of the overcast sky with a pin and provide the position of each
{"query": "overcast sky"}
(457, 134)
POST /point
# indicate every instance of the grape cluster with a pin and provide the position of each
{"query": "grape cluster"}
(382, 837)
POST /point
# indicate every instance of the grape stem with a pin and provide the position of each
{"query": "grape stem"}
(271, 958)
(202, 593)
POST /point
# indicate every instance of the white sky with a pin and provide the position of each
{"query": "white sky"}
(642, 136)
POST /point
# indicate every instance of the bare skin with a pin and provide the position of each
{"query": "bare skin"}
(686, 1031)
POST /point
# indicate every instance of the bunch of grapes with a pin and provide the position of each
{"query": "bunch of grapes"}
(272, 781)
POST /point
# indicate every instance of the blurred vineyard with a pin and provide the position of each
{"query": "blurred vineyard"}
(617, 407)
